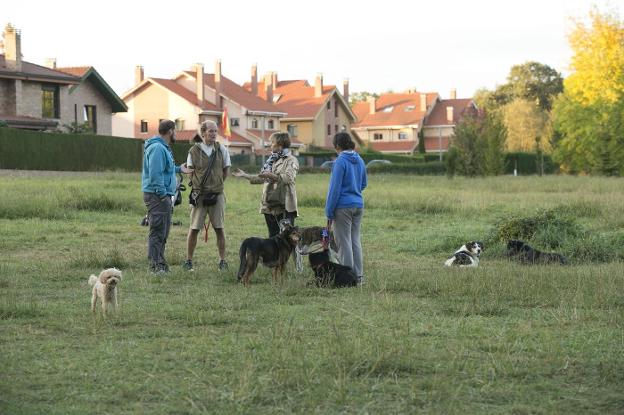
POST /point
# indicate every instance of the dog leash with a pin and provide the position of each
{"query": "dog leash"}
(325, 238)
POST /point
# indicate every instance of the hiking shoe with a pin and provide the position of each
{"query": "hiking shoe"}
(360, 280)
(223, 265)
(188, 265)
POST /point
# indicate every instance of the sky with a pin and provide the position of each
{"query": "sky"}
(432, 46)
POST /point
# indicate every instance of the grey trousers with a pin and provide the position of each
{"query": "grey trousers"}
(159, 217)
(347, 235)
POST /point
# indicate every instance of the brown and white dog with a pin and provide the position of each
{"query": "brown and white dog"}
(105, 288)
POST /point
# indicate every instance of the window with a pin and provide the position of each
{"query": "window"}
(50, 102)
(388, 109)
(410, 108)
(402, 136)
(90, 117)
(144, 126)
(271, 125)
(328, 105)
(336, 111)
(254, 123)
(234, 122)
(336, 128)
(328, 129)
(378, 136)
(292, 130)
(179, 124)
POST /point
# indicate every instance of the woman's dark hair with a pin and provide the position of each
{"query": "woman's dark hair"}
(283, 139)
(165, 126)
(343, 141)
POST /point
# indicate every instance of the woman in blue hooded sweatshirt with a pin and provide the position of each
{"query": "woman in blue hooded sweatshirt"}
(345, 205)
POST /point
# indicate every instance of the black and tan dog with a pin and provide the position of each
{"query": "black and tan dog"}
(274, 253)
(527, 255)
(316, 243)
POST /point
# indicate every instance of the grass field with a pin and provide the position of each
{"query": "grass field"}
(502, 338)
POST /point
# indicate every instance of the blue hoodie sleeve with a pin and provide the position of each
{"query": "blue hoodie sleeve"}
(364, 175)
(335, 186)
(157, 162)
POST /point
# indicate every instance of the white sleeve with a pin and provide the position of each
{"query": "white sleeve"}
(189, 160)
(226, 157)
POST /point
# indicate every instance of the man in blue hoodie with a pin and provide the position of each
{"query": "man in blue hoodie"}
(345, 205)
(158, 183)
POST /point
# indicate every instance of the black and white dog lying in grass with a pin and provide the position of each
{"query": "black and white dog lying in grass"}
(466, 256)
(525, 254)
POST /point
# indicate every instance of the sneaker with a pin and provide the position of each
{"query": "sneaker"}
(188, 265)
(360, 280)
(223, 265)
(159, 271)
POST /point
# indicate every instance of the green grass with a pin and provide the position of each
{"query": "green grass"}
(502, 338)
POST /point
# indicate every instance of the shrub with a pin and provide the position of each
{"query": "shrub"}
(547, 226)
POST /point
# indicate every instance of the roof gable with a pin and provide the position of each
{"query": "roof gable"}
(88, 73)
(35, 72)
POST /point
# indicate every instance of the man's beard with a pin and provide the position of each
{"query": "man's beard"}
(173, 139)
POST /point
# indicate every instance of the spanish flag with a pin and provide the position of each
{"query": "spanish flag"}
(225, 124)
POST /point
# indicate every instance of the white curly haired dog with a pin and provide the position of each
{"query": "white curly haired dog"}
(105, 288)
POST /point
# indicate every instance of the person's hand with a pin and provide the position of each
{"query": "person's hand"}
(239, 173)
(185, 169)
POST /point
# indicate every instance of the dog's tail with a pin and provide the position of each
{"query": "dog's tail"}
(93, 279)
(243, 261)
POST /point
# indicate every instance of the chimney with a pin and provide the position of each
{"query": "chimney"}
(139, 74)
(318, 86)
(449, 115)
(372, 102)
(50, 63)
(199, 81)
(274, 79)
(217, 80)
(453, 93)
(254, 79)
(345, 89)
(12, 48)
(423, 102)
(268, 87)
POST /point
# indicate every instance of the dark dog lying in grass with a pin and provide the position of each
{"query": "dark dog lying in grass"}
(527, 255)
(274, 253)
(326, 272)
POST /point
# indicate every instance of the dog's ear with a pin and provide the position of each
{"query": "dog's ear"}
(481, 245)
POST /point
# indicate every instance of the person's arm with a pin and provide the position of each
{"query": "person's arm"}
(156, 161)
(253, 178)
(290, 172)
(226, 172)
(227, 163)
(333, 193)
(364, 177)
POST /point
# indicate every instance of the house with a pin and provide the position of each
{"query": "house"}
(92, 101)
(31, 96)
(392, 122)
(48, 98)
(440, 125)
(192, 97)
(395, 122)
(315, 113)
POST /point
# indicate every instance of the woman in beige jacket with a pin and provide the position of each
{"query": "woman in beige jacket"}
(279, 194)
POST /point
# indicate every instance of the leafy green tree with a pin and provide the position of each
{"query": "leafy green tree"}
(534, 81)
(589, 117)
(477, 146)
(361, 96)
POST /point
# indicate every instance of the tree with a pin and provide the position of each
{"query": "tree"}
(526, 126)
(361, 96)
(588, 119)
(477, 146)
(535, 82)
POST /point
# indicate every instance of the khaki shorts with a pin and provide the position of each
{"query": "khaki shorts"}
(215, 214)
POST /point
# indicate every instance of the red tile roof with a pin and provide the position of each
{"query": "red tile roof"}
(460, 108)
(296, 97)
(78, 71)
(237, 93)
(394, 146)
(399, 114)
(37, 72)
(185, 93)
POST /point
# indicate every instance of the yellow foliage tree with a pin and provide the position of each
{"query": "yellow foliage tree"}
(527, 127)
(598, 60)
